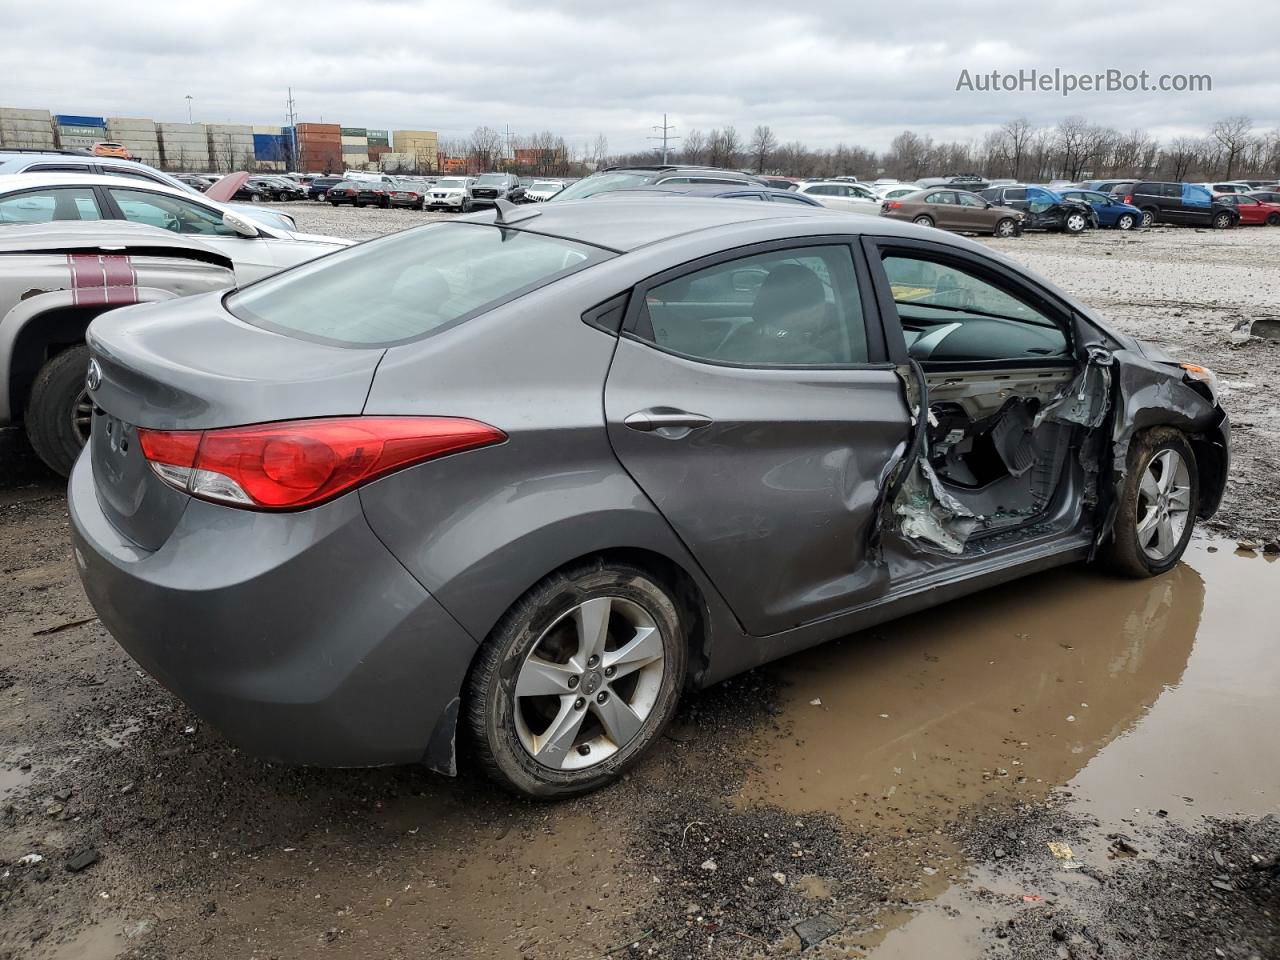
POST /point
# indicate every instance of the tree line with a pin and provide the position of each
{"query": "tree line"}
(1070, 150)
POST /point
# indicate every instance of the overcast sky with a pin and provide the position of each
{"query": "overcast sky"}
(818, 71)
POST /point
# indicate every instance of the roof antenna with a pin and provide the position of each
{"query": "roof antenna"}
(507, 212)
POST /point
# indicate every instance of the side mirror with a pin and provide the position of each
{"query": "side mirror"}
(990, 204)
(241, 226)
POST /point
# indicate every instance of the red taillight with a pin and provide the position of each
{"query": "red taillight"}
(300, 463)
(892, 205)
(1128, 198)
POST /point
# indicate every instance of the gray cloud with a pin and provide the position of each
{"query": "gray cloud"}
(823, 72)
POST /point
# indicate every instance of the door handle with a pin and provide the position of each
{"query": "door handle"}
(667, 422)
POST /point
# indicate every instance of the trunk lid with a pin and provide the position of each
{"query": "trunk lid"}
(190, 365)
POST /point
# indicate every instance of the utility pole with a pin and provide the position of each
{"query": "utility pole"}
(189, 98)
(291, 120)
(511, 156)
(666, 129)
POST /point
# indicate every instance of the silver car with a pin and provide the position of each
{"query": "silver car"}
(522, 479)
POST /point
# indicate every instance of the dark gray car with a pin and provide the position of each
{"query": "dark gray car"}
(523, 478)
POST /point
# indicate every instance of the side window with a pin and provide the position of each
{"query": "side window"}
(940, 197)
(969, 200)
(821, 191)
(1194, 195)
(783, 308)
(788, 198)
(171, 213)
(131, 174)
(1014, 194)
(57, 168)
(949, 314)
(47, 205)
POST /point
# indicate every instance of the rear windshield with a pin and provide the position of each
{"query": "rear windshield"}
(406, 285)
(603, 183)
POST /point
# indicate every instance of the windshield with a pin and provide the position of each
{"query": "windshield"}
(492, 178)
(602, 183)
(406, 285)
(450, 184)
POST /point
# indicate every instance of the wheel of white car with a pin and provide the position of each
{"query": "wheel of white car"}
(577, 680)
(59, 411)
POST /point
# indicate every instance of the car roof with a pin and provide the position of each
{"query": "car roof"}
(60, 178)
(697, 190)
(85, 234)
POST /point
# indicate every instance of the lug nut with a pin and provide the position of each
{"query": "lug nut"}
(602, 696)
(610, 671)
(573, 682)
(584, 748)
(579, 703)
(592, 660)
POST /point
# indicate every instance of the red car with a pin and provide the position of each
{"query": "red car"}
(1253, 211)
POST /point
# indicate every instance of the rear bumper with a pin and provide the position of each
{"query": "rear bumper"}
(298, 636)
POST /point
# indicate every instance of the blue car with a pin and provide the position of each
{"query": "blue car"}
(1111, 212)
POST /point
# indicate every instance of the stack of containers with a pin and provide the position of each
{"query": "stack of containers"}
(184, 146)
(379, 146)
(355, 147)
(319, 147)
(422, 145)
(26, 129)
(231, 147)
(76, 132)
(136, 135)
(270, 148)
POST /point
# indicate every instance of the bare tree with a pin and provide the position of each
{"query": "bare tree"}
(1016, 135)
(1234, 134)
(485, 148)
(763, 143)
(695, 148)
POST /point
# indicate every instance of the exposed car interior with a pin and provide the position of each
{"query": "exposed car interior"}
(996, 461)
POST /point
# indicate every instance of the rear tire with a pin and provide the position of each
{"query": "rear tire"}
(51, 417)
(1222, 221)
(1148, 217)
(924, 220)
(1130, 551)
(553, 618)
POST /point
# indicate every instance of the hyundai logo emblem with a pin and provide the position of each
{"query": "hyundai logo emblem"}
(93, 379)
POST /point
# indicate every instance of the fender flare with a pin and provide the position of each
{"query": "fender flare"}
(30, 310)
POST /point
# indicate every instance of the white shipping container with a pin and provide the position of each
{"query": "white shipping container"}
(355, 141)
(268, 130)
(229, 128)
(17, 113)
(180, 127)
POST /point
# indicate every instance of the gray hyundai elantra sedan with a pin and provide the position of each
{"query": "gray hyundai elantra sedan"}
(506, 486)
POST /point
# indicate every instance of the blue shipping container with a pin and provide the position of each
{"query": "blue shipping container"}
(73, 120)
(271, 147)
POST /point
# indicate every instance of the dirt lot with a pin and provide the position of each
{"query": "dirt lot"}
(1078, 768)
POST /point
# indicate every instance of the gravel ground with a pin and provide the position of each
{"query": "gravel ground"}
(128, 828)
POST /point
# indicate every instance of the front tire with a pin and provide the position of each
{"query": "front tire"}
(577, 680)
(1005, 228)
(1158, 501)
(59, 411)
(1273, 220)
(1125, 221)
(1074, 223)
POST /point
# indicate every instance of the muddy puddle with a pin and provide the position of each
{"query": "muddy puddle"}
(1144, 702)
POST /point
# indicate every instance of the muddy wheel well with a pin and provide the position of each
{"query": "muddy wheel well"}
(44, 337)
(1211, 466)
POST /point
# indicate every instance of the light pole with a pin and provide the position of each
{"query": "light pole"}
(189, 98)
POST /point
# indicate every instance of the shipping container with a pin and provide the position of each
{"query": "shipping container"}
(67, 131)
(268, 130)
(270, 148)
(354, 132)
(72, 142)
(76, 120)
(30, 116)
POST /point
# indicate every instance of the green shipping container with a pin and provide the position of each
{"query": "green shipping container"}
(354, 132)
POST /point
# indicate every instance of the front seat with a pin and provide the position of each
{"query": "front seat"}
(790, 322)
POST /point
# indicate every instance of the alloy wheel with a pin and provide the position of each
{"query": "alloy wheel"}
(1125, 222)
(82, 415)
(1005, 228)
(589, 684)
(1164, 504)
